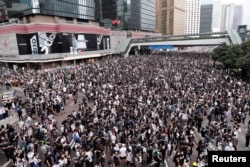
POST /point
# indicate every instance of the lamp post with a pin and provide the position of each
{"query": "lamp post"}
(73, 45)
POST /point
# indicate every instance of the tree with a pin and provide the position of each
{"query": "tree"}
(219, 53)
(234, 57)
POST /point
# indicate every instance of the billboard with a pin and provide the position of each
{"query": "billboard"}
(48, 43)
(157, 47)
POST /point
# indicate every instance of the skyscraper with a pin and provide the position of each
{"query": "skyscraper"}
(227, 17)
(217, 14)
(206, 14)
(192, 17)
(238, 15)
(206, 2)
(132, 14)
(170, 17)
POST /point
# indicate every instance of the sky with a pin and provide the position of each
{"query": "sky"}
(246, 8)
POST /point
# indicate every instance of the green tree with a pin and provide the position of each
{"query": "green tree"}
(219, 53)
(234, 57)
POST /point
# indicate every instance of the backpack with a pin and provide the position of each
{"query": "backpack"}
(75, 136)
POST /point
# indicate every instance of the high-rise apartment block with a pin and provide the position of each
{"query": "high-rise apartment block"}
(192, 17)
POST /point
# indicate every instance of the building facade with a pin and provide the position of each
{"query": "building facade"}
(82, 10)
(131, 14)
(206, 15)
(56, 30)
(227, 16)
(217, 14)
(206, 2)
(170, 17)
(238, 16)
(192, 17)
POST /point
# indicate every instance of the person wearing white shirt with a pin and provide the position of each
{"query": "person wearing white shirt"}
(89, 159)
(28, 121)
(30, 132)
(129, 157)
(1, 113)
(36, 161)
(61, 161)
(113, 138)
(123, 154)
(30, 156)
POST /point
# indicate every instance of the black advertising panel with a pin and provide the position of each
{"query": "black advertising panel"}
(27, 43)
(47, 43)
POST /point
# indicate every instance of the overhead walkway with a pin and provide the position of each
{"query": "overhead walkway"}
(123, 45)
(198, 42)
(234, 37)
(202, 39)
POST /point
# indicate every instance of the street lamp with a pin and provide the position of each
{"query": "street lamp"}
(74, 52)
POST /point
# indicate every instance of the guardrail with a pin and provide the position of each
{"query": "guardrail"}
(181, 37)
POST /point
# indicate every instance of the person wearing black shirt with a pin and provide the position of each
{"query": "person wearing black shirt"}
(247, 139)
(8, 104)
(149, 154)
(48, 160)
(9, 151)
(158, 159)
(20, 114)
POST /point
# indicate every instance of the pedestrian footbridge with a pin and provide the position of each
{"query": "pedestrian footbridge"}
(230, 37)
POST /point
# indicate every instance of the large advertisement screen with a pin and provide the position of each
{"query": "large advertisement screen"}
(47, 43)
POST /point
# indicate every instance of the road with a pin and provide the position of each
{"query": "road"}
(62, 116)
(72, 106)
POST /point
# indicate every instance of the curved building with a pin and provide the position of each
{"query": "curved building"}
(41, 31)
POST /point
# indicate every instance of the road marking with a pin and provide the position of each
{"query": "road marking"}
(72, 143)
(6, 163)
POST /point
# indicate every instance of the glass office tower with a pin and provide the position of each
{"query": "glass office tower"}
(132, 14)
(79, 9)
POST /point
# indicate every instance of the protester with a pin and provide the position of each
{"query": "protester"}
(131, 111)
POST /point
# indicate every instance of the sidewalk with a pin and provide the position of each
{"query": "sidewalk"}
(241, 145)
(11, 119)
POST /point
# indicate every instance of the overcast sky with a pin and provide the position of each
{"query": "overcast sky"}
(246, 9)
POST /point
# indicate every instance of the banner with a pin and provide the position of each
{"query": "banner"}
(47, 43)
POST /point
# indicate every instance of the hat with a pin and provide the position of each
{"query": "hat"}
(194, 164)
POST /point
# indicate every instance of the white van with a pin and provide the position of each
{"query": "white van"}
(9, 95)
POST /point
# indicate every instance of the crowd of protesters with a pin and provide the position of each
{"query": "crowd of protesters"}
(135, 111)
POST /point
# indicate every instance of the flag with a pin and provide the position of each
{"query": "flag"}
(115, 22)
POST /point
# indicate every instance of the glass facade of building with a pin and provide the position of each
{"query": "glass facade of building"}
(132, 14)
(79, 9)
(206, 18)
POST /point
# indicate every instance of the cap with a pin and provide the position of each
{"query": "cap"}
(194, 164)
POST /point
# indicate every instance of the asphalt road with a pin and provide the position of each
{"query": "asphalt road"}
(60, 117)
(71, 106)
